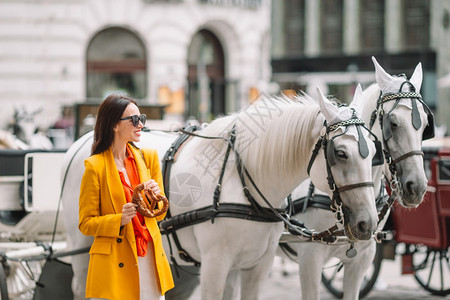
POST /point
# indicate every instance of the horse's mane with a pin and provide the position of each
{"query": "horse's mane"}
(273, 135)
(285, 144)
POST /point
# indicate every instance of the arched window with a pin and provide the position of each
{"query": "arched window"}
(116, 61)
(206, 77)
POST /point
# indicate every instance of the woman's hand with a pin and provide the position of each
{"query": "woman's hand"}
(152, 185)
(128, 213)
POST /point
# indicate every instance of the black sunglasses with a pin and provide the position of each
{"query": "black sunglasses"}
(135, 119)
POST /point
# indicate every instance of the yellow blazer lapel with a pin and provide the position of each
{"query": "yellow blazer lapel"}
(113, 181)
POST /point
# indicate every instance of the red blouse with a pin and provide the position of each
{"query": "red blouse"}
(140, 229)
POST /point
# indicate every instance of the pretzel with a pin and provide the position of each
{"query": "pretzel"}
(142, 208)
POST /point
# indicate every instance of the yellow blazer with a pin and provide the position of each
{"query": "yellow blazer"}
(113, 268)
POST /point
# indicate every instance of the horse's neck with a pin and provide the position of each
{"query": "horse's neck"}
(370, 105)
(377, 175)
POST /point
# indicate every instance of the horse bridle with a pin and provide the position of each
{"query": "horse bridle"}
(328, 146)
(385, 124)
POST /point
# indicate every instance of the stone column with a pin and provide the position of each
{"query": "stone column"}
(278, 34)
(312, 28)
(393, 26)
(351, 27)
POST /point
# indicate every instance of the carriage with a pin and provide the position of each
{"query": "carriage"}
(30, 181)
(421, 236)
(29, 227)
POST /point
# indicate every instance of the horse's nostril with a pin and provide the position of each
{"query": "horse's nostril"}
(363, 227)
(410, 187)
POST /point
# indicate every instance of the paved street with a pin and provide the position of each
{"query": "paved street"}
(391, 286)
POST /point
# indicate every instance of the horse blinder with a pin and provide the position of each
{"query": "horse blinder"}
(428, 132)
(378, 159)
(330, 153)
(387, 130)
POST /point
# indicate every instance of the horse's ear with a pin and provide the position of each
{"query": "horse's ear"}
(417, 76)
(358, 100)
(381, 76)
(327, 108)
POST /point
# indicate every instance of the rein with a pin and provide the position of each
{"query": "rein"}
(292, 225)
(300, 205)
(254, 211)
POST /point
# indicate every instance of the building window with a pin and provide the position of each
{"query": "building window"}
(416, 23)
(372, 25)
(331, 31)
(294, 24)
(116, 62)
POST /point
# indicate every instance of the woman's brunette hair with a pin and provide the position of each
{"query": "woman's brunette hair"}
(109, 114)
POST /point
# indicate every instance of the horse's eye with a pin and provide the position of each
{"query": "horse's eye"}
(341, 154)
(394, 125)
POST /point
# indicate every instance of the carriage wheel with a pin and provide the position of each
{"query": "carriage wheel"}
(432, 269)
(21, 278)
(333, 275)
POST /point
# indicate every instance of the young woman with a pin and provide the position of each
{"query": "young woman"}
(127, 259)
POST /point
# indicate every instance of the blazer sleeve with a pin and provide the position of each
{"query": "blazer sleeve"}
(90, 220)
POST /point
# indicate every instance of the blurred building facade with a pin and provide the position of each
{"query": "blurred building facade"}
(200, 58)
(328, 43)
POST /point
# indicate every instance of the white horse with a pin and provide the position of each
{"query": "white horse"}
(272, 140)
(402, 136)
(26, 134)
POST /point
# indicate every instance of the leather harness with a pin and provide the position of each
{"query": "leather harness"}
(253, 212)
